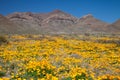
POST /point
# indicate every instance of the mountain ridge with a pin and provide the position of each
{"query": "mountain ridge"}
(55, 22)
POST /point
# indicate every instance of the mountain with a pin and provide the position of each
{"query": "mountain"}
(55, 22)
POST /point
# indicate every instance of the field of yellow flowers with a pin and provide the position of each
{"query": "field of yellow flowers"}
(45, 57)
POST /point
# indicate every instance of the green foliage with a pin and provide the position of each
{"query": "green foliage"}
(82, 76)
(2, 74)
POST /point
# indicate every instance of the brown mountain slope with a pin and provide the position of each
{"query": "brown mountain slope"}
(28, 22)
(7, 26)
(117, 23)
(115, 27)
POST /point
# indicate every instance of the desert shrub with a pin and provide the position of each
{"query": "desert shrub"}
(109, 41)
(2, 74)
(3, 40)
(82, 76)
(87, 34)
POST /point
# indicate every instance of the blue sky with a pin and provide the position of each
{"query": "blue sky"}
(106, 10)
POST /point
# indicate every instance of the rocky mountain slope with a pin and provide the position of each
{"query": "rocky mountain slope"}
(7, 26)
(55, 22)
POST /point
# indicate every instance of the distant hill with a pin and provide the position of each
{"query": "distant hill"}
(55, 22)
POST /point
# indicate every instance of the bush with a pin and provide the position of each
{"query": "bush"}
(2, 74)
(87, 34)
(82, 76)
(3, 40)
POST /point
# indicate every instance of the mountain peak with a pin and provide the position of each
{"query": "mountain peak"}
(57, 11)
(60, 14)
(88, 16)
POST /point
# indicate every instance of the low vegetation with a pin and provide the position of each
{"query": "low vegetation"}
(45, 57)
(3, 40)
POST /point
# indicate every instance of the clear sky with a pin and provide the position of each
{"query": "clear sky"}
(106, 10)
